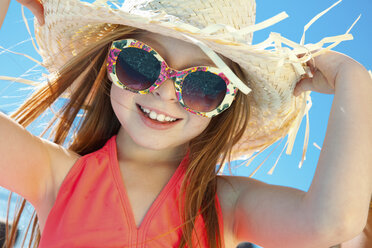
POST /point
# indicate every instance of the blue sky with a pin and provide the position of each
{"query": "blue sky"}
(13, 35)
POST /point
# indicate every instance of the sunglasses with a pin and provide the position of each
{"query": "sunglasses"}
(202, 90)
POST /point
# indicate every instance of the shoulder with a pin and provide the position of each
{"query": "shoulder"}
(229, 190)
(230, 187)
(257, 211)
(61, 162)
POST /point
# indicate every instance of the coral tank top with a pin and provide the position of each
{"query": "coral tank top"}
(92, 209)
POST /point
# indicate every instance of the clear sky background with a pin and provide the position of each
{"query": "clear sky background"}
(13, 36)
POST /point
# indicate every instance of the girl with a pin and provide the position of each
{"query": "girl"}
(160, 110)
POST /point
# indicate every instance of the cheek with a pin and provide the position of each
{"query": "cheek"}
(120, 97)
(197, 124)
(121, 102)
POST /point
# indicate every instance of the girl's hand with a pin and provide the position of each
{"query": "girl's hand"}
(36, 8)
(328, 69)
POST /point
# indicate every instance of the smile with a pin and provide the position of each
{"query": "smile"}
(155, 120)
(156, 116)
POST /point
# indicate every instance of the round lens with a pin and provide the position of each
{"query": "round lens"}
(137, 69)
(203, 91)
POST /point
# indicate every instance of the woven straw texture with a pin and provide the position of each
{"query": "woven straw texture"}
(225, 26)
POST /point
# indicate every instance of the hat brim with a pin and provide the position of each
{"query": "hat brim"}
(72, 25)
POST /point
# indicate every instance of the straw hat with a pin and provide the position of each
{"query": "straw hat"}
(222, 26)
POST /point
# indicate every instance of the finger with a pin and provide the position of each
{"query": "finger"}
(329, 65)
(305, 84)
(36, 8)
(316, 83)
(312, 66)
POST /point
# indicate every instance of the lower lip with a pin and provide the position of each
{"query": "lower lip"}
(155, 124)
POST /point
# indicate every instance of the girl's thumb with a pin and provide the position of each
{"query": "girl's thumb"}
(303, 85)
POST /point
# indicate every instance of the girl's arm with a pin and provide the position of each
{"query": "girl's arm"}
(342, 186)
(25, 160)
(336, 206)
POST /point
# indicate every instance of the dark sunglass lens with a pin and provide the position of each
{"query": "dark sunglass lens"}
(203, 91)
(137, 69)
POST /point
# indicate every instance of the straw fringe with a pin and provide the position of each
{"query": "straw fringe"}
(272, 67)
(23, 54)
(20, 80)
(307, 26)
(28, 28)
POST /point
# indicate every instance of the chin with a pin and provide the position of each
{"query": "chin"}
(153, 143)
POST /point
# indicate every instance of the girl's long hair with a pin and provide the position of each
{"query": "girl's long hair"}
(91, 129)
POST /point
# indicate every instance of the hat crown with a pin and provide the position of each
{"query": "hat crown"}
(73, 25)
(201, 14)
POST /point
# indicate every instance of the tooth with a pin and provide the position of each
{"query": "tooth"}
(145, 110)
(153, 115)
(160, 117)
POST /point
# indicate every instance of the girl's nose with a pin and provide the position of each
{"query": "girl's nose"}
(166, 91)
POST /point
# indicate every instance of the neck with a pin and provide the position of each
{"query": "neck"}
(129, 151)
